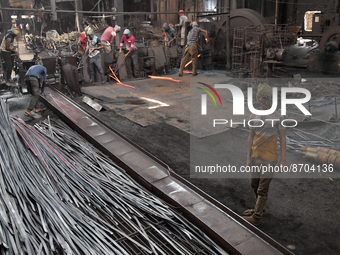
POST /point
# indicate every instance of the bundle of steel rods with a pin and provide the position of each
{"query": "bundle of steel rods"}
(60, 195)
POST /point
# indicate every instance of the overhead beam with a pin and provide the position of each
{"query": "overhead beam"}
(96, 12)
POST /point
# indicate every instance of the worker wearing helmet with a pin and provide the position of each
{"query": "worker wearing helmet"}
(131, 56)
(82, 40)
(94, 46)
(191, 48)
(168, 34)
(182, 20)
(108, 37)
(7, 50)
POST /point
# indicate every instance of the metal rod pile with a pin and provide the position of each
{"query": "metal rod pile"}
(60, 195)
(318, 141)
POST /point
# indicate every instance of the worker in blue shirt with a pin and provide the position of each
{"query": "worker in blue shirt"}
(32, 80)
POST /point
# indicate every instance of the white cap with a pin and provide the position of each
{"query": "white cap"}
(194, 24)
(117, 28)
(126, 32)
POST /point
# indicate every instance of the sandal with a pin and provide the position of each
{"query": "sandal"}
(252, 220)
(28, 114)
(250, 212)
(40, 110)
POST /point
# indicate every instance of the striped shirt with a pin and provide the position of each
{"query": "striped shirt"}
(192, 36)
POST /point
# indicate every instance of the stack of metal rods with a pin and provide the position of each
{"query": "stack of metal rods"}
(60, 195)
(318, 141)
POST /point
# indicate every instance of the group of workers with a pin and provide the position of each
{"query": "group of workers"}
(191, 48)
(262, 142)
(91, 44)
(33, 75)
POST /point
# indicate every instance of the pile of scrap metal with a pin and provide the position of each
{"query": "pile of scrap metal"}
(60, 195)
(66, 39)
(322, 89)
(34, 42)
(256, 48)
(52, 41)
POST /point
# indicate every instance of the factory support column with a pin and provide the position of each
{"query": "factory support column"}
(276, 12)
(228, 44)
(78, 5)
(173, 8)
(119, 5)
(53, 10)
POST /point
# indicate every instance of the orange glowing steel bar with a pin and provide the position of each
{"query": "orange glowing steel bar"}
(113, 77)
(116, 78)
(163, 78)
(186, 71)
(191, 61)
(119, 83)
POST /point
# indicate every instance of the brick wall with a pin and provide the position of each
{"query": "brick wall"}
(327, 7)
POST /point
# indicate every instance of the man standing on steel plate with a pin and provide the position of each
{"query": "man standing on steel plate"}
(32, 80)
(108, 37)
(182, 20)
(94, 46)
(132, 55)
(262, 150)
(191, 49)
(7, 50)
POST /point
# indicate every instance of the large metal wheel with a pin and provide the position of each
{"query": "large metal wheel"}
(245, 17)
(238, 18)
(332, 34)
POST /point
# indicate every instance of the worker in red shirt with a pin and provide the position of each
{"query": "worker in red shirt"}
(82, 40)
(108, 37)
(131, 56)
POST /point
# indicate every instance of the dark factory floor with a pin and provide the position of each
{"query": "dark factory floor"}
(303, 212)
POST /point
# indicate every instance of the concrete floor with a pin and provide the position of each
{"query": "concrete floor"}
(302, 212)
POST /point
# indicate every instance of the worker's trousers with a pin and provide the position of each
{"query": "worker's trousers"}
(132, 59)
(35, 91)
(192, 51)
(9, 62)
(96, 63)
(259, 182)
